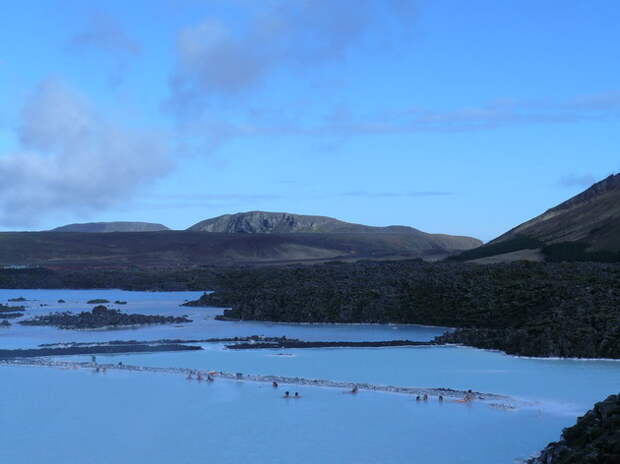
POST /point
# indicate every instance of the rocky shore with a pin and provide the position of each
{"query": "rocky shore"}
(11, 309)
(594, 439)
(99, 317)
(10, 315)
(529, 309)
(250, 338)
(101, 349)
(302, 344)
(10, 312)
(568, 341)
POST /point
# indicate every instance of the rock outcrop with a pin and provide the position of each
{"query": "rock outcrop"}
(99, 317)
(263, 222)
(594, 439)
(533, 309)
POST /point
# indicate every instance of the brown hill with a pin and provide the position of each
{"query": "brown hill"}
(585, 227)
(592, 217)
(188, 248)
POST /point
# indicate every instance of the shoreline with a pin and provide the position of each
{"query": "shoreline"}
(298, 344)
(25, 353)
(261, 342)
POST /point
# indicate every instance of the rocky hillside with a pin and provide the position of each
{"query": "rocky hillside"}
(583, 228)
(531, 309)
(96, 227)
(261, 222)
(594, 439)
(593, 217)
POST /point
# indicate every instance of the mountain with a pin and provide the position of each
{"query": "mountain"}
(96, 227)
(262, 222)
(585, 227)
(244, 238)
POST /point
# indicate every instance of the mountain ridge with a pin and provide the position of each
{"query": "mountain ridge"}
(113, 226)
(263, 222)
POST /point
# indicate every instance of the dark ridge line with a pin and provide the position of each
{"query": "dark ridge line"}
(169, 341)
(302, 344)
(108, 349)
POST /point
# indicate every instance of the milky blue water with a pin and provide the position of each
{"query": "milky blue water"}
(63, 416)
(204, 324)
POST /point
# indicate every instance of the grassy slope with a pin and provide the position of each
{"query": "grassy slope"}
(189, 248)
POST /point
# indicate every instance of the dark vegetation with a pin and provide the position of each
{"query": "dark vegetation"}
(594, 439)
(10, 315)
(301, 344)
(578, 251)
(10, 309)
(100, 316)
(169, 279)
(534, 309)
(492, 249)
(10, 312)
(556, 252)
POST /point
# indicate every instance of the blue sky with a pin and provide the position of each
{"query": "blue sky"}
(455, 117)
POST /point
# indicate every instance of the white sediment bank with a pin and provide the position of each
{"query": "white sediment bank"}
(447, 393)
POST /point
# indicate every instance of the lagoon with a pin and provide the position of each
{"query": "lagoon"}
(58, 416)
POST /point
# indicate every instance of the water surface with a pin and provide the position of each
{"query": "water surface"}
(59, 416)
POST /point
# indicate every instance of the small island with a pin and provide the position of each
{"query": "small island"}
(100, 317)
(10, 312)
(207, 300)
(97, 301)
(10, 309)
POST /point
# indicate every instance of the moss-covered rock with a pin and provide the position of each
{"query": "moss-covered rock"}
(594, 439)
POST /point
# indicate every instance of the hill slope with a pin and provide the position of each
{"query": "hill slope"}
(592, 217)
(262, 222)
(585, 227)
(187, 248)
(120, 226)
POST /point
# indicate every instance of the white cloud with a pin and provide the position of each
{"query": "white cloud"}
(216, 58)
(71, 159)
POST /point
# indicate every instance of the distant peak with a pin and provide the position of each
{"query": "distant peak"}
(118, 226)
